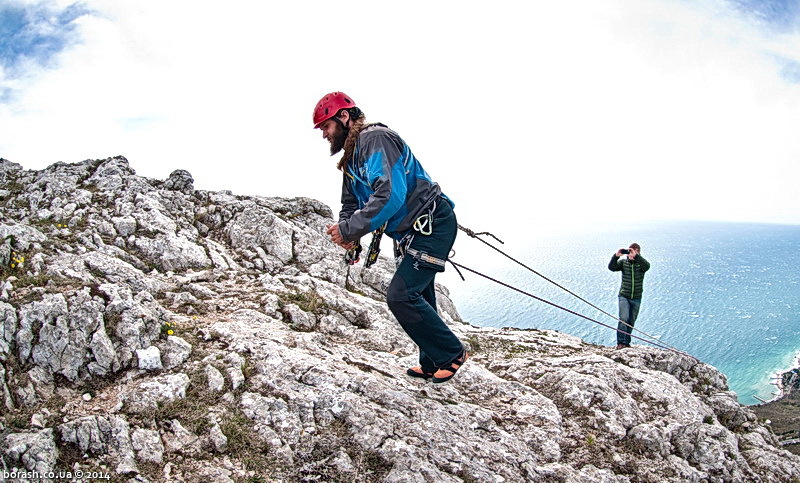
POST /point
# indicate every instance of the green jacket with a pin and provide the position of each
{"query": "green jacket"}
(632, 274)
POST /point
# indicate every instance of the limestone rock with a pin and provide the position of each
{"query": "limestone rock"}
(100, 435)
(215, 380)
(149, 359)
(148, 446)
(31, 451)
(149, 394)
(218, 439)
(180, 180)
(174, 352)
(284, 360)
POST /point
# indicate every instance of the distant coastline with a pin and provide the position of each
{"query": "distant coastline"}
(786, 380)
(789, 383)
(782, 413)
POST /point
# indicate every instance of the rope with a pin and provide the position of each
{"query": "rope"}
(563, 308)
(472, 234)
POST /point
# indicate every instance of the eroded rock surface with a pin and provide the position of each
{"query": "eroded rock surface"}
(157, 332)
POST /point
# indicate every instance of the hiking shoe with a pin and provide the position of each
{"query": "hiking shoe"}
(447, 373)
(417, 371)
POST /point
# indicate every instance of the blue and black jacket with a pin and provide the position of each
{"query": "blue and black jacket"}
(383, 184)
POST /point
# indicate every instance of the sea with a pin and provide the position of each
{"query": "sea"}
(726, 293)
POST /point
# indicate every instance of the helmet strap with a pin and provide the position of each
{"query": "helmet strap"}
(339, 121)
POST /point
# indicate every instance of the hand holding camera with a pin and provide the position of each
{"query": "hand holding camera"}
(631, 252)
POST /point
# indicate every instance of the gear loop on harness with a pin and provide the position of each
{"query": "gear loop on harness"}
(423, 256)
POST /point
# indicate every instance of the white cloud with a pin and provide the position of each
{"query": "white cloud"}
(530, 114)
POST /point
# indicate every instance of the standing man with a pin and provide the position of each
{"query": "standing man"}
(384, 186)
(632, 267)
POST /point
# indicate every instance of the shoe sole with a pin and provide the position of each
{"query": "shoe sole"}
(418, 375)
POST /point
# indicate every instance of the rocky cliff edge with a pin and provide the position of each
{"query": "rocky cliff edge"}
(153, 332)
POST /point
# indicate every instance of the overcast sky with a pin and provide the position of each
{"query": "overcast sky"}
(524, 112)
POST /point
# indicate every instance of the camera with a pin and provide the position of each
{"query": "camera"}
(624, 251)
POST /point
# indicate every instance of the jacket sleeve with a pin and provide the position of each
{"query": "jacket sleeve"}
(644, 265)
(349, 202)
(614, 264)
(382, 156)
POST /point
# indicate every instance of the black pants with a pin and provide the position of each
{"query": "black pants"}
(412, 299)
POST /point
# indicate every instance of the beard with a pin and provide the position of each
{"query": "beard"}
(337, 142)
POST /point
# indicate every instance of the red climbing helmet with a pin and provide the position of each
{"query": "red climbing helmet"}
(329, 105)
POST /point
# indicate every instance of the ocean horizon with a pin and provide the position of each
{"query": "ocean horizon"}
(726, 293)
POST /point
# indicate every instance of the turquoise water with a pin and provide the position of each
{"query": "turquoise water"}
(727, 293)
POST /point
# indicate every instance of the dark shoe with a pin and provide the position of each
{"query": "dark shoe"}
(623, 346)
(447, 373)
(418, 372)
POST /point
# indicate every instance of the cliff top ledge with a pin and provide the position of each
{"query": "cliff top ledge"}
(152, 332)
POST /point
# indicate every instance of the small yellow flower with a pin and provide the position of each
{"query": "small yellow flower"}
(170, 332)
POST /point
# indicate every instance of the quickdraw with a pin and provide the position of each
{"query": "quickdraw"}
(374, 246)
(353, 255)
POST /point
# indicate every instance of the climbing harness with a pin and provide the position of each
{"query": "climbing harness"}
(422, 256)
(423, 225)
(655, 340)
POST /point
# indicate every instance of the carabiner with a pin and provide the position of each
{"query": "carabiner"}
(424, 224)
(353, 255)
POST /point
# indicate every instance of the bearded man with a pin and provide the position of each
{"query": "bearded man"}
(385, 187)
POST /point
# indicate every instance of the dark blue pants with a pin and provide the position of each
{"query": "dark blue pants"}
(412, 299)
(628, 311)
